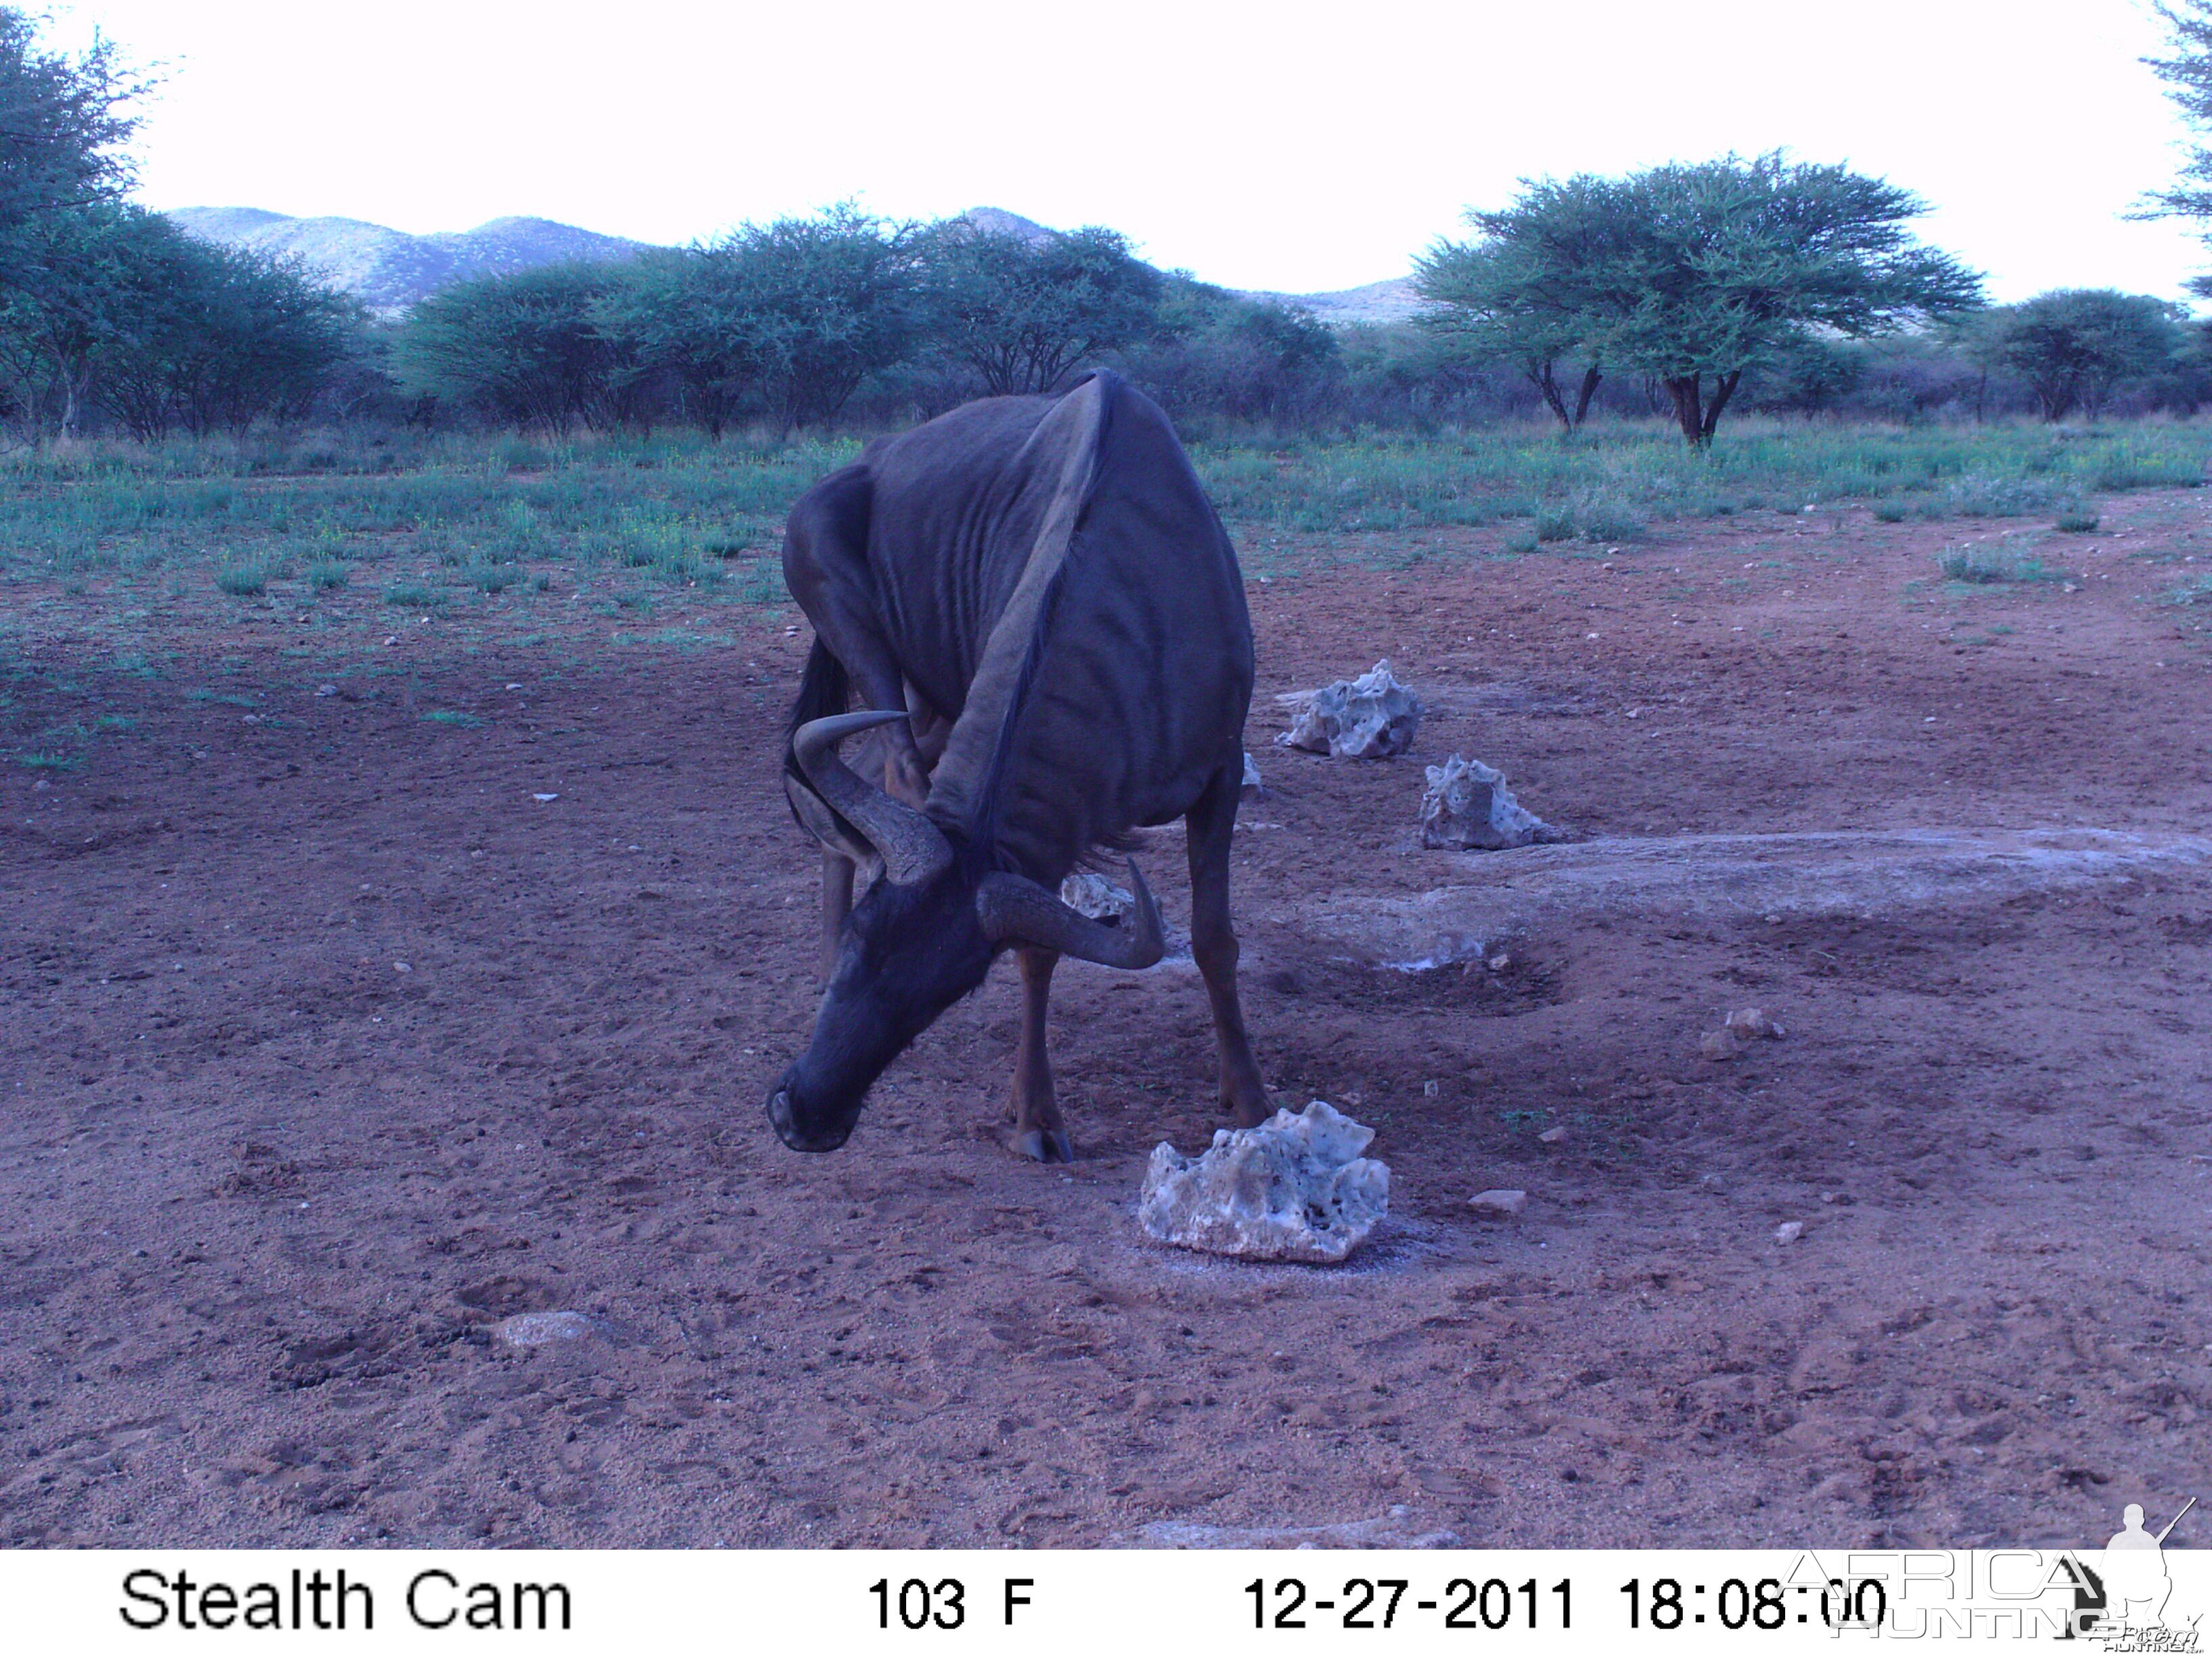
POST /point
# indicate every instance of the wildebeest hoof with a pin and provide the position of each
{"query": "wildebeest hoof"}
(1041, 1145)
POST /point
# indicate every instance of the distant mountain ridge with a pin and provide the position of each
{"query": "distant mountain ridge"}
(390, 270)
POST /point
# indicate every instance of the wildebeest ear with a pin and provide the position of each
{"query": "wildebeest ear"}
(814, 813)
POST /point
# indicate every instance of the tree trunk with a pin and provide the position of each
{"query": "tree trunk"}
(1683, 389)
(1540, 376)
(1724, 389)
(1590, 377)
(74, 381)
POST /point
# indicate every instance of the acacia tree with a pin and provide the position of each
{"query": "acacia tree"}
(2187, 71)
(1517, 293)
(1025, 313)
(1250, 358)
(2075, 346)
(61, 124)
(1692, 272)
(793, 315)
(527, 348)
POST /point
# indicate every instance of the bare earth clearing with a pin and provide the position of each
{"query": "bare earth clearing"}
(267, 1190)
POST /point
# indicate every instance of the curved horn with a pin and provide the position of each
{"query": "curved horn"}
(912, 847)
(818, 821)
(1015, 910)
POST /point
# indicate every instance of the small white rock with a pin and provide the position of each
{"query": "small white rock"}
(544, 798)
(1554, 1135)
(326, 690)
(1499, 1201)
(1788, 1232)
(1090, 894)
(1749, 1023)
(529, 1330)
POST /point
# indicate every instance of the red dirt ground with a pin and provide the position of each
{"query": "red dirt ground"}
(267, 1191)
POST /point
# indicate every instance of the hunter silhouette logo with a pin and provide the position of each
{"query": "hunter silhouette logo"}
(2121, 1602)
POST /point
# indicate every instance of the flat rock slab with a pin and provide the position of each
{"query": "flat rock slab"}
(1869, 872)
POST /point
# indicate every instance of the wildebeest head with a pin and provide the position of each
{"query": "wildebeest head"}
(921, 937)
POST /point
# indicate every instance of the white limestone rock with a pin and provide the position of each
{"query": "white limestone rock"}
(1091, 895)
(1251, 790)
(1370, 718)
(532, 1330)
(1467, 806)
(1295, 1188)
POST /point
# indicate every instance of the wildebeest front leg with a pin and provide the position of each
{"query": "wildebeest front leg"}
(1210, 826)
(1038, 1131)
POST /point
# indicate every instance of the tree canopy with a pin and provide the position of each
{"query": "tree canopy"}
(1690, 270)
(528, 348)
(63, 123)
(2075, 345)
(1025, 314)
(2187, 71)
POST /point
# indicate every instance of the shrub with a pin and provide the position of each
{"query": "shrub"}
(245, 581)
(1995, 564)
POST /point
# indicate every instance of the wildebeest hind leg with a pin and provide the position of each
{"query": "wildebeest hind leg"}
(1038, 1131)
(1210, 827)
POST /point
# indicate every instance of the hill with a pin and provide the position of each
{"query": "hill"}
(390, 268)
(1393, 299)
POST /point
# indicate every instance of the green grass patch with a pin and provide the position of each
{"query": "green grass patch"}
(454, 717)
(41, 760)
(1989, 565)
(677, 512)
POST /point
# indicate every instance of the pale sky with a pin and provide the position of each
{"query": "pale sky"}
(1270, 145)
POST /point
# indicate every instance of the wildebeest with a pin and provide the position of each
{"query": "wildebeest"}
(1036, 603)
